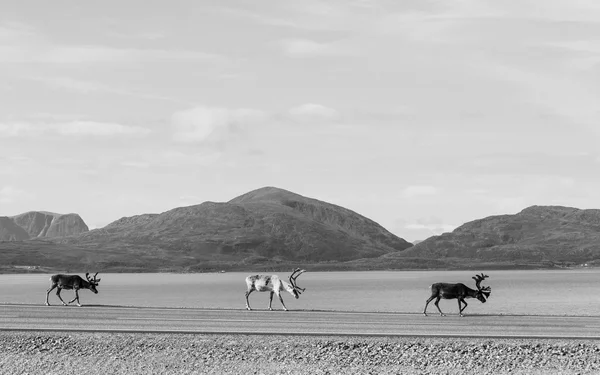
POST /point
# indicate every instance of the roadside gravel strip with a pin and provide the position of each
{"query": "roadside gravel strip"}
(151, 353)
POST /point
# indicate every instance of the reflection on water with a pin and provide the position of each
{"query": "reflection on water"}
(568, 292)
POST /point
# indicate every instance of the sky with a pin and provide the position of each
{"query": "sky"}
(420, 115)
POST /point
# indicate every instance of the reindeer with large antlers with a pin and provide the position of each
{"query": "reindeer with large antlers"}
(460, 292)
(275, 285)
(72, 282)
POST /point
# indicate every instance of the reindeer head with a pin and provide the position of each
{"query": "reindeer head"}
(93, 282)
(482, 292)
(296, 289)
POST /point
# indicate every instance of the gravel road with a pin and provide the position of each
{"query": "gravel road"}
(145, 353)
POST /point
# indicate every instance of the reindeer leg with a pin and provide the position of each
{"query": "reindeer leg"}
(426, 304)
(437, 301)
(271, 301)
(76, 298)
(48, 293)
(282, 304)
(464, 307)
(58, 294)
(247, 302)
(73, 300)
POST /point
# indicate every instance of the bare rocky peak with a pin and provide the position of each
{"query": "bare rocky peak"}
(49, 224)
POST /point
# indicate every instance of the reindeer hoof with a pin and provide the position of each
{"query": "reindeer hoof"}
(425, 314)
(249, 309)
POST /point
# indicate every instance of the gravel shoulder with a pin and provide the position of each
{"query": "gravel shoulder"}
(151, 353)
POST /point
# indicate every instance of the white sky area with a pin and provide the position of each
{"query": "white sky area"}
(420, 115)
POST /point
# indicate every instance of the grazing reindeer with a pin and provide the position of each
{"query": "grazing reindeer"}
(275, 285)
(458, 291)
(72, 282)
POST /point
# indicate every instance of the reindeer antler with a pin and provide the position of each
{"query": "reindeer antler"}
(293, 278)
(93, 279)
(478, 279)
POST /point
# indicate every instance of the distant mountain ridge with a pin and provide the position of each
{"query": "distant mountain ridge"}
(273, 229)
(551, 234)
(40, 224)
(268, 225)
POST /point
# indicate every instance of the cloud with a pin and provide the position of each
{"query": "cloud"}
(419, 190)
(135, 164)
(203, 123)
(99, 129)
(24, 44)
(64, 54)
(88, 87)
(10, 194)
(421, 228)
(180, 159)
(308, 15)
(309, 48)
(433, 228)
(71, 128)
(313, 111)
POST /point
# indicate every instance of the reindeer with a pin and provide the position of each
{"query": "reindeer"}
(72, 282)
(275, 285)
(458, 291)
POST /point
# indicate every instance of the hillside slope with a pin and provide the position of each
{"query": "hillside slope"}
(538, 234)
(10, 231)
(265, 226)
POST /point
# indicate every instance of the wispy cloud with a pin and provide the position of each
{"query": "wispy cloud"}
(11, 194)
(71, 128)
(422, 228)
(73, 54)
(419, 190)
(203, 123)
(312, 111)
(89, 87)
(309, 48)
(309, 15)
(135, 164)
(432, 227)
(24, 44)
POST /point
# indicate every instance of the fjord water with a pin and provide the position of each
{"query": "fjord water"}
(538, 292)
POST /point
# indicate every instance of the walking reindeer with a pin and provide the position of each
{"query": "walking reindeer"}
(72, 282)
(275, 285)
(460, 292)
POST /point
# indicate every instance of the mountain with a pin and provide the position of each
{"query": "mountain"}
(47, 224)
(264, 226)
(272, 229)
(10, 231)
(542, 235)
(40, 224)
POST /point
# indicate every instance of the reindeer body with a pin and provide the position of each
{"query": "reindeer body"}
(274, 285)
(458, 291)
(68, 282)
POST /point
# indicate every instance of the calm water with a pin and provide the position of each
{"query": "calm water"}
(569, 292)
